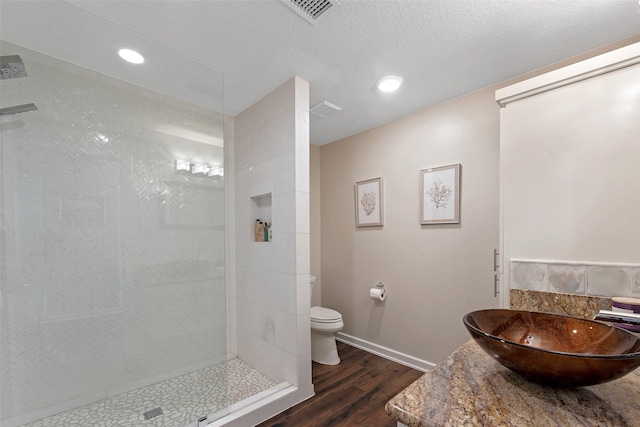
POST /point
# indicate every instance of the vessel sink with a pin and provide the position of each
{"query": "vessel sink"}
(555, 349)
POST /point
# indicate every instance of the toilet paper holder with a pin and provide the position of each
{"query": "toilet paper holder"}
(378, 293)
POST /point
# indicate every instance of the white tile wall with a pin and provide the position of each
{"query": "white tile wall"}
(246, 345)
(275, 362)
(284, 246)
(272, 156)
(284, 210)
(608, 280)
(286, 165)
(115, 262)
(304, 294)
(590, 278)
(286, 332)
(530, 276)
(567, 278)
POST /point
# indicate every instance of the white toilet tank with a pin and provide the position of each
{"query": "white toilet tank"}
(312, 280)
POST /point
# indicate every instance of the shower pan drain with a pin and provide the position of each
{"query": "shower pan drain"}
(152, 413)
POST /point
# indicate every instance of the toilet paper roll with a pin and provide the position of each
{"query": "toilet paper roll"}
(377, 294)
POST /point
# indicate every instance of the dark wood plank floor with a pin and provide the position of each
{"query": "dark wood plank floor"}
(351, 394)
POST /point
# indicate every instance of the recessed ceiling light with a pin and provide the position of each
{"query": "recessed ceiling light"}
(131, 56)
(389, 83)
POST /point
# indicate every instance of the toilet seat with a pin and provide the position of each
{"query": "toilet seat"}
(325, 315)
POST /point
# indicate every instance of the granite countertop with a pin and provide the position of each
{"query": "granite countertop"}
(469, 388)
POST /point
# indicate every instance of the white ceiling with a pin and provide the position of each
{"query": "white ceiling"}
(442, 49)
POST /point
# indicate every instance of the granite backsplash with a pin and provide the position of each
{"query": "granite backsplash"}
(585, 306)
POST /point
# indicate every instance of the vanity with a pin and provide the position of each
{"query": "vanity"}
(469, 388)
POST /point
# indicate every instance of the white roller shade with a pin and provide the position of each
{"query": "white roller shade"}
(570, 163)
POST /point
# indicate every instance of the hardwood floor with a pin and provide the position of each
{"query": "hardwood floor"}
(351, 394)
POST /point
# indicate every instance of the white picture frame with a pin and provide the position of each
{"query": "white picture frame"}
(440, 195)
(369, 203)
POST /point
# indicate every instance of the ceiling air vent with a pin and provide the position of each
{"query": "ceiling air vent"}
(311, 10)
(324, 108)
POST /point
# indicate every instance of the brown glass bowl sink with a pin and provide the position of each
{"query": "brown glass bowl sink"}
(554, 349)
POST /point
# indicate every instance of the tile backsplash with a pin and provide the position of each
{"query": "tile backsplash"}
(579, 278)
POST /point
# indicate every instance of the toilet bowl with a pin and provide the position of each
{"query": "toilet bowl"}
(325, 322)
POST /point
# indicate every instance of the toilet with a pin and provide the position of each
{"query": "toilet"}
(324, 324)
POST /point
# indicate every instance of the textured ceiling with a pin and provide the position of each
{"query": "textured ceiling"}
(442, 49)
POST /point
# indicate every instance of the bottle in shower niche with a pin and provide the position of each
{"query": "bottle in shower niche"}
(266, 231)
(258, 231)
(270, 233)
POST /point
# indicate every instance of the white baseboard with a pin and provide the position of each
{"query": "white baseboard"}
(387, 353)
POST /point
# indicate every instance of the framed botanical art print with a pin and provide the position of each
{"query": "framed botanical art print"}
(440, 195)
(368, 197)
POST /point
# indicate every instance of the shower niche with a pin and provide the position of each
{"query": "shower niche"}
(260, 224)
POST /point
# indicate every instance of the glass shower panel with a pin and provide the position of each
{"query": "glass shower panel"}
(112, 260)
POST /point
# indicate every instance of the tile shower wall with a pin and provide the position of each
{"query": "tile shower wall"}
(579, 278)
(272, 278)
(113, 262)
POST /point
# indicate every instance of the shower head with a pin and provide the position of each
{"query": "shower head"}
(18, 109)
(12, 67)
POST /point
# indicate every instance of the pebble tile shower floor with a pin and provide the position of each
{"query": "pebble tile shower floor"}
(182, 400)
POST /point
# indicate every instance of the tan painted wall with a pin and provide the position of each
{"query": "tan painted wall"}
(433, 274)
(314, 208)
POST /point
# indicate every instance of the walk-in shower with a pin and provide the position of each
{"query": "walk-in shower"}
(128, 282)
(112, 258)
(113, 282)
